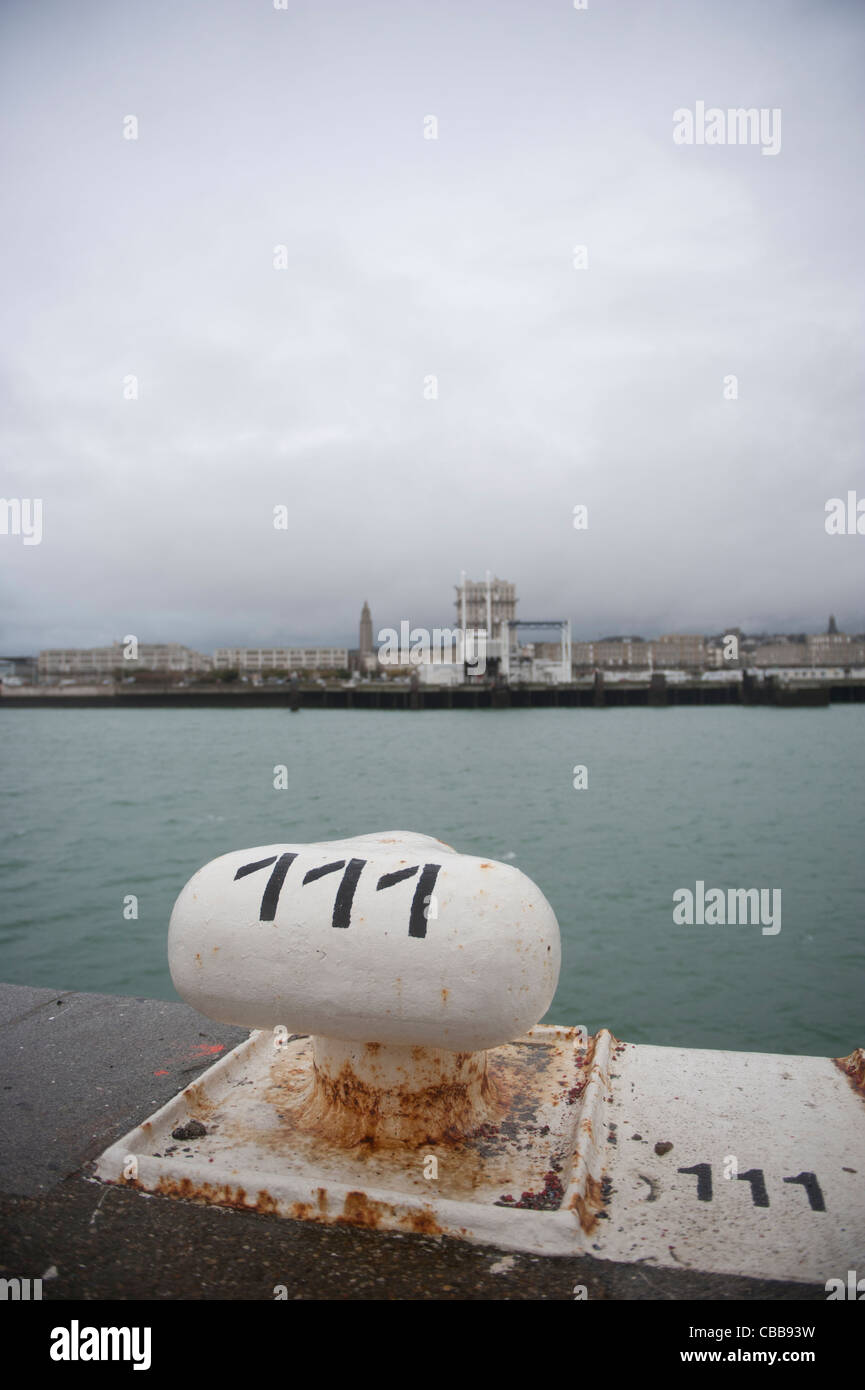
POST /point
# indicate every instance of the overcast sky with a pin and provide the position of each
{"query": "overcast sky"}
(410, 258)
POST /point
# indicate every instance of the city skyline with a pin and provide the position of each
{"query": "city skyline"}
(352, 645)
(469, 295)
(504, 600)
(618, 649)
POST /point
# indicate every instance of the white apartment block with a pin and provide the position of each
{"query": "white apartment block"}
(675, 649)
(104, 661)
(820, 649)
(280, 658)
(615, 653)
(678, 649)
(834, 649)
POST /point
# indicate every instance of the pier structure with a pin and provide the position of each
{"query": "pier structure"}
(599, 689)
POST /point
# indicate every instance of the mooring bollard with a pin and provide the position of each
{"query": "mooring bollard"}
(398, 1078)
(403, 959)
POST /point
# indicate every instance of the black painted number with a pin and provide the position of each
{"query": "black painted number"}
(422, 893)
(757, 1180)
(812, 1187)
(703, 1174)
(346, 888)
(270, 896)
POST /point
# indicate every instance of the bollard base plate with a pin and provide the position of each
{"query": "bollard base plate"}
(724, 1162)
(522, 1180)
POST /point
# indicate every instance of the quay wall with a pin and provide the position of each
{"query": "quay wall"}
(600, 694)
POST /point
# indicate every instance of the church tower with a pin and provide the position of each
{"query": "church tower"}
(366, 647)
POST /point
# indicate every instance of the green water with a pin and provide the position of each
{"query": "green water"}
(98, 804)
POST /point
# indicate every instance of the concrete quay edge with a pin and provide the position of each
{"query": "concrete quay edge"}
(82, 1069)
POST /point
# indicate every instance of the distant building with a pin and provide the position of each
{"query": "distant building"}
(778, 651)
(831, 648)
(365, 645)
(612, 652)
(485, 604)
(678, 649)
(281, 659)
(628, 653)
(834, 649)
(21, 669)
(365, 659)
(104, 661)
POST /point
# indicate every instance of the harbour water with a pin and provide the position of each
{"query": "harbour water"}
(98, 805)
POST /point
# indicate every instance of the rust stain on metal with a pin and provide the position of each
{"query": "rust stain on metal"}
(422, 1223)
(215, 1194)
(853, 1068)
(198, 1103)
(570, 1033)
(339, 1121)
(588, 1052)
(588, 1206)
(362, 1210)
(499, 1122)
(347, 1111)
(226, 1195)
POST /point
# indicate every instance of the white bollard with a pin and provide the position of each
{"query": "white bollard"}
(404, 959)
(418, 1093)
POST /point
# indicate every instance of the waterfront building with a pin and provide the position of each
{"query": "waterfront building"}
(485, 604)
(20, 669)
(830, 648)
(635, 653)
(104, 661)
(678, 649)
(778, 651)
(281, 659)
(834, 649)
(611, 652)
